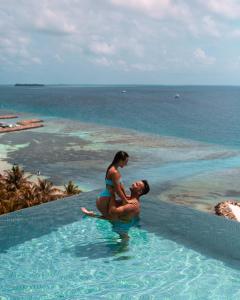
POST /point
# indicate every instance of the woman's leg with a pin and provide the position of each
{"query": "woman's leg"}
(87, 212)
(102, 204)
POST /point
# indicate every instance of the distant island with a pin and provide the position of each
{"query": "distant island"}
(29, 84)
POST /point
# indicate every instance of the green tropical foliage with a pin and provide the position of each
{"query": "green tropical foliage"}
(17, 192)
(71, 189)
(14, 178)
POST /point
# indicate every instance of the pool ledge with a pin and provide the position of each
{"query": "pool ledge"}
(208, 233)
(202, 231)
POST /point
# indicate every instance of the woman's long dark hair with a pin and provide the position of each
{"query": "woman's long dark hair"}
(120, 155)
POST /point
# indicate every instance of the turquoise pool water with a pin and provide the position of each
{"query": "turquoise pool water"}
(52, 252)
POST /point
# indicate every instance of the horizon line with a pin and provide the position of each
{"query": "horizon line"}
(119, 84)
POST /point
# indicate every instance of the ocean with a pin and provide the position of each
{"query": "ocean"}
(187, 146)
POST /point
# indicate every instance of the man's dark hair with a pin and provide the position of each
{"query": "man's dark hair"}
(146, 188)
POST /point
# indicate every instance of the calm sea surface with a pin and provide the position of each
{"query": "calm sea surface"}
(209, 114)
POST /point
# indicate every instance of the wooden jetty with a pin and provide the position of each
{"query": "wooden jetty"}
(23, 125)
(32, 121)
(8, 117)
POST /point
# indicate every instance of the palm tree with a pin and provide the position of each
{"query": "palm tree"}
(12, 203)
(17, 192)
(3, 196)
(2, 187)
(71, 189)
(29, 196)
(15, 179)
(45, 190)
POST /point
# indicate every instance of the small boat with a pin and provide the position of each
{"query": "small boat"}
(123, 92)
(177, 96)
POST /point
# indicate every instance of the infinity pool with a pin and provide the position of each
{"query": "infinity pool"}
(52, 252)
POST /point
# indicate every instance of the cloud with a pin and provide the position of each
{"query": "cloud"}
(137, 47)
(228, 9)
(123, 65)
(14, 49)
(127, 35)
(103, 61)
(143, 67)
(102, 48)
(53, 22)
(202, 58)
(36, 60)
(210, 26)
(59, 58)
(235, 33)
(156, 8)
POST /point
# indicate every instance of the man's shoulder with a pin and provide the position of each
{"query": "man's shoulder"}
(133, 201)
(132, 204)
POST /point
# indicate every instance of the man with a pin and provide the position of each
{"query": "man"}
(125, 216)
(132, 208)
(122, 216)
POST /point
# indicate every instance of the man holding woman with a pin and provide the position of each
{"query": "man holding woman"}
(126, 208)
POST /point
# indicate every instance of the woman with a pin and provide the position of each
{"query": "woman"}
(114, 185)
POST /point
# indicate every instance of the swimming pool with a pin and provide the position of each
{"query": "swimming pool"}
(52, 252)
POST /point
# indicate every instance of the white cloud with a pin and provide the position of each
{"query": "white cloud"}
(135, 46)
(202, 58)
(123, 65)
(156, 8)
(103, 61)
(36, 60)
(14, 49)
(102, 48)
(13, 43)
(127, 35)
(210, 26)
(225, 8)
(59, 58)
(143, 67)
(54, 22)
(235, 33)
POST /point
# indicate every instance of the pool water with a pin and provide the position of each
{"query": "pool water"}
(52, 252)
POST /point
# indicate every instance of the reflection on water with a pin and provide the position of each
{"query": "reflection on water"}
(101, 249)
(108, 243)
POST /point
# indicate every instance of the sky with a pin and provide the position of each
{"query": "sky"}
(172, 42)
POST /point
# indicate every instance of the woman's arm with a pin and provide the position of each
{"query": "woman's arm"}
(119, 188)
(123, 190)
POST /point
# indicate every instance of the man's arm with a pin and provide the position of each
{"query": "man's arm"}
(119, 211)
